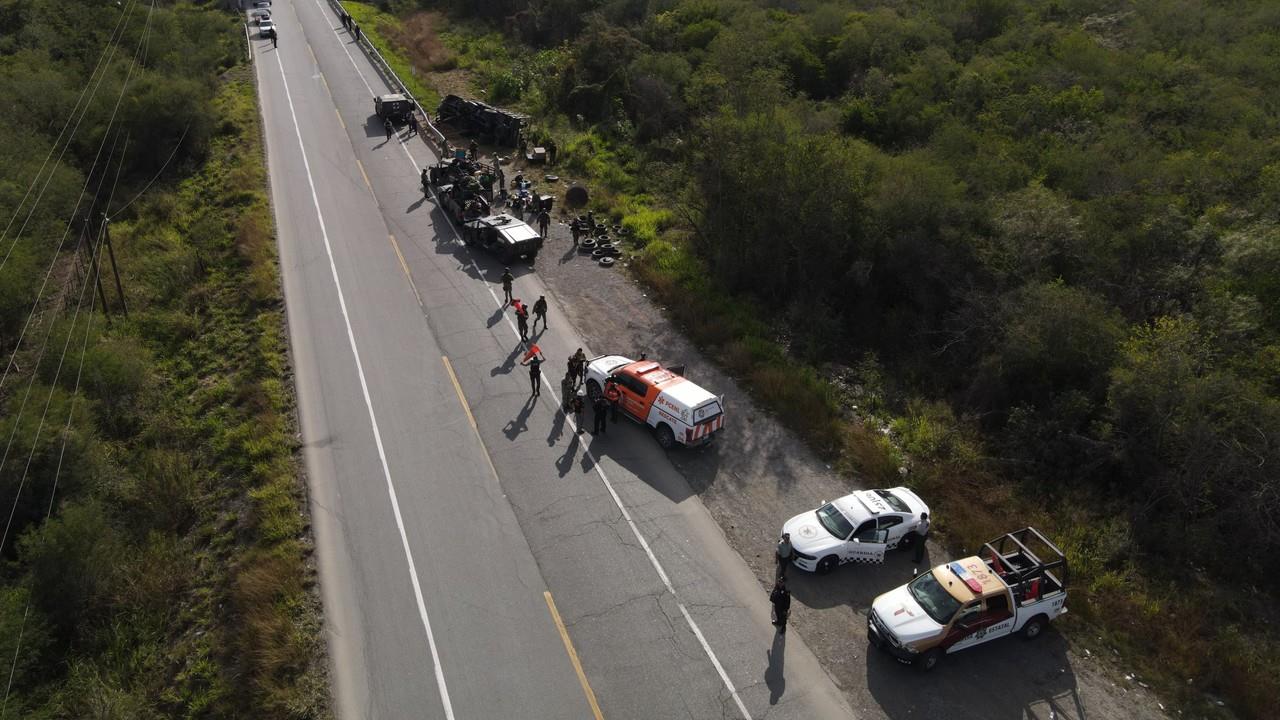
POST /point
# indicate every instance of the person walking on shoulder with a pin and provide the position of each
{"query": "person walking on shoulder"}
(507, 279)
(784, 553)
(534, 362)
(922, 532)
(781, 599)
(522, 322)
(540, 312)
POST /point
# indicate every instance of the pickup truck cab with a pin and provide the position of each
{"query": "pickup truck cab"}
(680, 412)
(1016, 584)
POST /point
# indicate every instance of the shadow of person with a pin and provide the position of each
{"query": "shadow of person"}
(569, 254)
(416, 204)
(557, 428)
(774, 678)
(509, 364)
(496, 317)
(564, 463)
(521, 421)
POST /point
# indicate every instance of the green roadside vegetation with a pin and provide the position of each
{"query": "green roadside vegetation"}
(157, 564)
(1027, 249)
(379, 28)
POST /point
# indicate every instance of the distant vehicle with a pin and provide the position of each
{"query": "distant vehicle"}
(1016, 584)
(503, 236)
(679, 411)
(259, 15)
(395, 107)
(266, 28)
(262, 4)
(857, 528)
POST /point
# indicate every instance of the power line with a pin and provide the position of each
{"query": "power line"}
(113, 43)
(88, 178)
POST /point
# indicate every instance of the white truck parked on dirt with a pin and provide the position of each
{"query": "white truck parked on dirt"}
(1016, 584)
(679, 411)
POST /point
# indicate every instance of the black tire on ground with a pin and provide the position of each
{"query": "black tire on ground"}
(1034, 627)
(827, 564)
(593, 389)
(666, 438)
(606, 262)
(929, 659)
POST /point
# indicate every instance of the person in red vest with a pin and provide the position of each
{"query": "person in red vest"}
(612, 394)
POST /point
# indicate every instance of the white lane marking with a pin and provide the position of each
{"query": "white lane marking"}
(368, 403)
(595, 463)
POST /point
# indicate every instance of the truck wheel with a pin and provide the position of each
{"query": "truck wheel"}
(908, 541)
(827, 564)
(666, 438)
(929, 660)
(1034, 628)
(593, 389)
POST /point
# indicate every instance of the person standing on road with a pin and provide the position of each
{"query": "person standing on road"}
(614, 396)
(574, 230)
(386, 124)
(413, 123)
(507, 279)
(535, 373)
(357, 32)
(540, 312)
(784, 553)
(579, 405)
(781, 599)
(600, 408)
(578, 365)
(544, 222)
(922, 532)
(522, 323)
(567, 392)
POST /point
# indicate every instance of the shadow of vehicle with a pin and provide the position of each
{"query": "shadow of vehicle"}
(1008, 678)
(854, 584)
(373, 127)
(633, 447)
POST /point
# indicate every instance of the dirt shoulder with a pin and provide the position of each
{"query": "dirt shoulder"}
(758, 474)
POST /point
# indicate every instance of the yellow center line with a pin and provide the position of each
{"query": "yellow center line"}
(405, 266)
(573, 656)
(313, 54)
(462, 400)
(340, 121)
(364, 175)
(325, 82)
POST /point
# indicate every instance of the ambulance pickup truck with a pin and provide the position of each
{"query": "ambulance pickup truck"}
(680, 412)
(1016, 584)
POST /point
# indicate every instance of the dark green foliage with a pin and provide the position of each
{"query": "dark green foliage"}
(1058, 219)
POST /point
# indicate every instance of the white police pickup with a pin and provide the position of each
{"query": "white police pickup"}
(1016, 584)
(858, 527)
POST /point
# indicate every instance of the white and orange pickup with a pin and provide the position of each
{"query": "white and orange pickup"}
(679, 411)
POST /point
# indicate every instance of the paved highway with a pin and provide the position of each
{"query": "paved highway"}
(478, 557)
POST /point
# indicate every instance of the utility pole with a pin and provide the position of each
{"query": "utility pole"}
(97, 276)
(111, 253)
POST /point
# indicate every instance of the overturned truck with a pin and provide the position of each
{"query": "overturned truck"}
(492, 125)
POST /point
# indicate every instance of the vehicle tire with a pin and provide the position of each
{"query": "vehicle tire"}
(1034, 627)
(827, 564)
(666, 438)
(908, 541)
(593, 389)
(929, 659)
(606, 262)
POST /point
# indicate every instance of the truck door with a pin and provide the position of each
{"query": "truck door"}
(631, 392)
(867, 544)
(975, 626)
(895, 528)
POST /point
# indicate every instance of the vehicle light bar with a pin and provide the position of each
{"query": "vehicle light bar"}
(968, 579)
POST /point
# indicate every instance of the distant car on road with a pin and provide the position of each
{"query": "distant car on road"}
(266, 28)
(258, 16)
(857, 528)
(262, 4)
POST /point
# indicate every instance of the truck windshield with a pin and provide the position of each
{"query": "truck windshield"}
(834, 521)
(934, 598)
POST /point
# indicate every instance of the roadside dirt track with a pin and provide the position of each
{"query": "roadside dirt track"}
(758, 474)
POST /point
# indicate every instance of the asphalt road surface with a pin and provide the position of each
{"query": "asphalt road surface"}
(478, 557)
